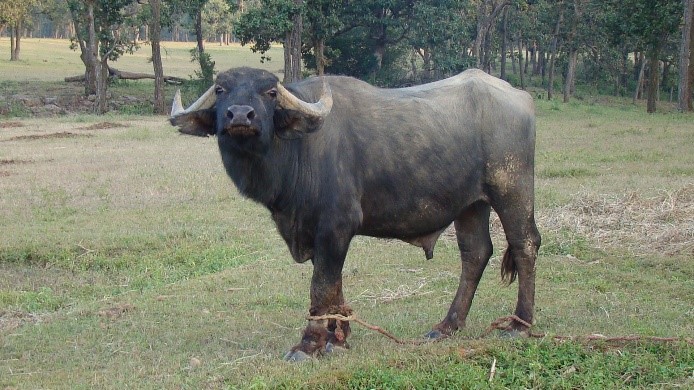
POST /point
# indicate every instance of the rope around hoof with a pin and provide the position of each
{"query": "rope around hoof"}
(340, 317)
(503, 323)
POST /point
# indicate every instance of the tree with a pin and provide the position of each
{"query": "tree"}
(651, 23)
(15, 13)
(321, 21)
(553, 49)
(58, 13)
(384, 23)
(440, 39)
(292, 46)
(97, 24)
(578, 7)
(684, 93)
(217, 17)
(274, 21)
(690, 97)
(155, 41)
(487, 12)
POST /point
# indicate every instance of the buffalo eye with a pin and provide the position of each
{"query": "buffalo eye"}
(218, 90)
(272, 93)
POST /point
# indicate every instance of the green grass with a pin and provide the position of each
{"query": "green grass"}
(52, 60)
(128, 260)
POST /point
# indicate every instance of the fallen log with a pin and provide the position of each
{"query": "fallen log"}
(116, 73)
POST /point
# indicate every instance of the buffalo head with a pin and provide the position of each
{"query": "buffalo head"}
(246, 108)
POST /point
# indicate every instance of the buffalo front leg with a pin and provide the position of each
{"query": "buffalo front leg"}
(475, 244)
(322, 335)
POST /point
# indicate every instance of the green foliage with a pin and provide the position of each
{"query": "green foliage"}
(36, 301)
(109, 18)
(648, 22)
(14, 109)
(217, 19)
(206, 73)
(267, 23)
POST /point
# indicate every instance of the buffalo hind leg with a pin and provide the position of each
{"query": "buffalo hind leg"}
(518, 220)
(475, 244)
(321, 336)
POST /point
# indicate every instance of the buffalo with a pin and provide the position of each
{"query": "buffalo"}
(333, 157)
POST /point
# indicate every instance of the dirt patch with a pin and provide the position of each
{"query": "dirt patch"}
(63, 134)
(4, 174)
(10, 125)
(11, 320)
(103, 126)
(13, 162)
(115, 312)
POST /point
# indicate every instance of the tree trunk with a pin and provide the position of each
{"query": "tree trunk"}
(520, 61)
(664, 77)
(97, 69)
(639, 79)
(624, 74)
(573, 50)
(76, 26)
(570, 74)
(17, 38)
(487, 56)
(292, 48)
(527, 60)
(479, 38)
(513, 59)
(552, 57)
(653, 79)
(504, 28)
(690, 98)
(198, 32)
(484, 23)
(12, 44)
(155, 38)
(93, 69)
(684, 92)
(102, 86)
(319, 51)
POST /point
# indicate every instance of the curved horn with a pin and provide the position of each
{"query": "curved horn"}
(319, 109)
(205, 101)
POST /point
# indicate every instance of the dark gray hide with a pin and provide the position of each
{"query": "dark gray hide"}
(397, 163)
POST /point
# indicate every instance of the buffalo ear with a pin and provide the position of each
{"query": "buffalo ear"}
(292, 124)
(199, 123)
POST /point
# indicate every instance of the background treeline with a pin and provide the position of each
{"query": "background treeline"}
(636, 48)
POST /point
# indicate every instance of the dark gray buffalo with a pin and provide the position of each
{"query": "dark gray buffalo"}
(334, 157)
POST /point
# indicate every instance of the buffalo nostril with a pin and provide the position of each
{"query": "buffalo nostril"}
(240, 115)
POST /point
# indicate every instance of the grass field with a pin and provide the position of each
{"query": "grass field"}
(129, 260)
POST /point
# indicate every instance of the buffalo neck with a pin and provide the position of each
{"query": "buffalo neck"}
(270, 179)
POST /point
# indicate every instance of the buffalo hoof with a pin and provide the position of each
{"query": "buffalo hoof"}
(296, 356)
(435, 335)
(511, 333)
(300, 356)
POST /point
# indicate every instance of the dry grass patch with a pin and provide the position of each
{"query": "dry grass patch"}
(9, 125)
(13, 319)
(663, 223)
(103, 126)
(13, 161)
(59, 135)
